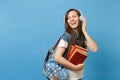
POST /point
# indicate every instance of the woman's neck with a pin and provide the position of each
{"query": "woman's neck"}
(75, 30)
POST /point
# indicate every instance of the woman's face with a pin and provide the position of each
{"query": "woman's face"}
(73, 19)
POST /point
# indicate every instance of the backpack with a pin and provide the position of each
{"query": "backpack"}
(52, 68)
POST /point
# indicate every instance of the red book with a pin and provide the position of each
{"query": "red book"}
(77, 55)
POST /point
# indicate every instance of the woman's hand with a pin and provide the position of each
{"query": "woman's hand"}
(79, 67)
(82, 18)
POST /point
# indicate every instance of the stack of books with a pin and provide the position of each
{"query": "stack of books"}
(77, 55)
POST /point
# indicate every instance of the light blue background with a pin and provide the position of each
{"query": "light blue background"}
(28, 28)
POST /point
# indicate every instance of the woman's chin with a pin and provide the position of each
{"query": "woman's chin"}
(74, 27)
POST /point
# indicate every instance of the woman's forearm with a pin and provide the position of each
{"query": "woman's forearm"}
(91, 44)
(64, 62)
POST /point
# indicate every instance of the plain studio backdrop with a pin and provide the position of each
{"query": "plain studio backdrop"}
(28, 28)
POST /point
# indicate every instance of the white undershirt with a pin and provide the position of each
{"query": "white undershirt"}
(73, 75)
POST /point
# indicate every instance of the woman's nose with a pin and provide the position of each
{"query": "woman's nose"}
(71, 19)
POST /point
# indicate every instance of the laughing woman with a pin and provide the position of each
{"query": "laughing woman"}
(75, 33)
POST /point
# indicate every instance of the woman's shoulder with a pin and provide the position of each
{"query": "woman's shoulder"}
(66, 36)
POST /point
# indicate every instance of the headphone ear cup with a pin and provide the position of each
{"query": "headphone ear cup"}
(80, 18)
(81, 15)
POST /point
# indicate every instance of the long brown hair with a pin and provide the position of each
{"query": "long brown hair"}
(81, 41)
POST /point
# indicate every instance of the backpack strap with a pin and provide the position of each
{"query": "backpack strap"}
(56, 44)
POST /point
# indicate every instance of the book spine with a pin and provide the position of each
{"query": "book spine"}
(81, 48)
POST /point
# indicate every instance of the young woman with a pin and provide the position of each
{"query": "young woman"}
(75, 32)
